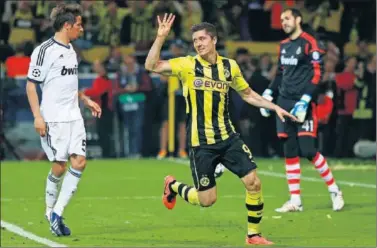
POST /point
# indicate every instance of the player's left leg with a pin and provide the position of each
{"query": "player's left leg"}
(239, 160)
(309, 150)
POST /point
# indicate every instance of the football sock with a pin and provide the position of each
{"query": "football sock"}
(254, 205)
(293, 173)
(51, 191)
(321, 166)
(188, 193)
(68, 188)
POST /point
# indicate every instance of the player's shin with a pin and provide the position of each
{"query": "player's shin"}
(188, 193)
(254, 205)
(293, 173)
(324, 170)
(52, 184)
(69, 186)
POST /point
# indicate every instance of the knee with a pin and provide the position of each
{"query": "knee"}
(253, 183)
(207, 201)
(78, 162)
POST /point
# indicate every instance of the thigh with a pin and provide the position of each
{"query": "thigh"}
(310, 126)
(77, 144)
(238, 158)
(56, 141)
(287, 128)
(203, 163)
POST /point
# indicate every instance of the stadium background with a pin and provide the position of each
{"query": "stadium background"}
(118, 35)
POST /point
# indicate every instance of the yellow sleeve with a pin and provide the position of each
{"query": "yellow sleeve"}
(238, 82)
(179, 65)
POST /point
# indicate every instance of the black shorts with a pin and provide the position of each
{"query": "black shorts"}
(180, 109)
(232, 153)
(289, 128)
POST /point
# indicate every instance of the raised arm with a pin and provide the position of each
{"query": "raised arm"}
(153, 62)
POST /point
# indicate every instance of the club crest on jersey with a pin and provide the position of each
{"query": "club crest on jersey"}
(69, 71)
(226, 73)
(288, 61)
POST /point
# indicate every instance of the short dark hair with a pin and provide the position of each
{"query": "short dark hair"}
(208, 27)
(295, 12)
(64, 13)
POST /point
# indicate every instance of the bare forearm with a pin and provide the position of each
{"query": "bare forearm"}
(33, 99)
(154, 53)
(255, 99)
(82, 96)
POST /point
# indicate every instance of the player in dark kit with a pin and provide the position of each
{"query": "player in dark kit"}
(299, 72)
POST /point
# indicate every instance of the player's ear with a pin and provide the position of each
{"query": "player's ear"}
(214, 40)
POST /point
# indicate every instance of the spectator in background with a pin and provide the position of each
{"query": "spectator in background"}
(115, 59)
(346, 103)
(43, 27)
(190, 13)
(132, 82)
(268, 69)
(111, 20)
(23, 18)
(137, 28)
(18, 65)
(102, 93)
(363, 54)
(177, 49)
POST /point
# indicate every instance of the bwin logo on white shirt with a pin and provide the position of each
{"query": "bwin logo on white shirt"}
(288, 61)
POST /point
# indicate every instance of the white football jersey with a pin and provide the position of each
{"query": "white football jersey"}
(55, 67)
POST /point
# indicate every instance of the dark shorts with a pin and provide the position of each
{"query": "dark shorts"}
(232, 153)
(180, 109)
(289, 128)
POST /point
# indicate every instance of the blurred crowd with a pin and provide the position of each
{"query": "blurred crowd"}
(138, 100)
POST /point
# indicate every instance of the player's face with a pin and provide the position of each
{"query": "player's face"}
(76, 29)
(289, 22)
(203, 42)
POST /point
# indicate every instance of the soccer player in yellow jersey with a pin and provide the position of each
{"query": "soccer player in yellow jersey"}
(206, 79)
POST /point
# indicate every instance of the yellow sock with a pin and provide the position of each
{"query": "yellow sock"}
(189, 194)
(254, 205)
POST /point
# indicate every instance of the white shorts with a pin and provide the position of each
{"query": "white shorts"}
(63, 139)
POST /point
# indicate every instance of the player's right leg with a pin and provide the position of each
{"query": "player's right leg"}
(287, 133)
(203, 163)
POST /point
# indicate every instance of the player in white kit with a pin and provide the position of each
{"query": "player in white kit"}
(58, 118)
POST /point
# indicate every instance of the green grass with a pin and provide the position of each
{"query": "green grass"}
(119, 204)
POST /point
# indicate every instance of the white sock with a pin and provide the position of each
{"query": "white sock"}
(296, 199)
(69, 187)
(51, 191)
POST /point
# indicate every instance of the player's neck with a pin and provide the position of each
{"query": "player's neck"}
(62, 38)
(211, 57)
(296, 34)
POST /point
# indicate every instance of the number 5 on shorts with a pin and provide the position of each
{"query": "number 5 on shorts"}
(247, 150)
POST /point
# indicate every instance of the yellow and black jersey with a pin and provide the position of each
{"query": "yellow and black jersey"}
(205, 87)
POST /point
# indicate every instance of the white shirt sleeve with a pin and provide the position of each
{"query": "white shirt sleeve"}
(39, 65)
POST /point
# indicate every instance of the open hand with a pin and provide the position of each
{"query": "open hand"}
(165, 24)
(282, 113)
(94, 107)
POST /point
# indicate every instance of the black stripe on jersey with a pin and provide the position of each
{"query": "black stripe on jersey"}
(199, 72)
(215, 117)
(188, 120)
(227, 66)
(215, 104)
(229, 129)
(200, 116)
(42, 51)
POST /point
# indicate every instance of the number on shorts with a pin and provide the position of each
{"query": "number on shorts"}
(83, 145)
(308, 126)
(247, 150)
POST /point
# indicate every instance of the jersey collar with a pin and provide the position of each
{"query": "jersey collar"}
(206, 63)
(60, 44)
